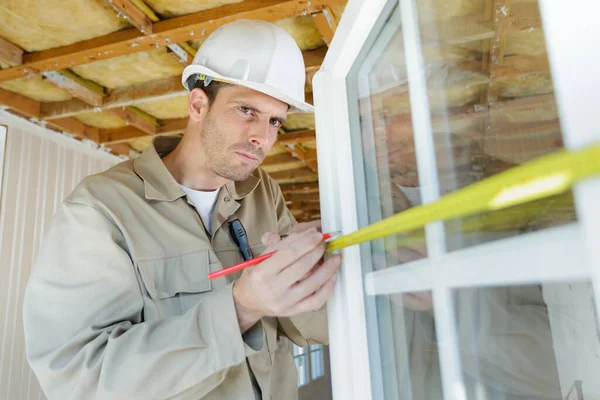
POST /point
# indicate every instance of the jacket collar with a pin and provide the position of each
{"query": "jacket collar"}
(160, 185)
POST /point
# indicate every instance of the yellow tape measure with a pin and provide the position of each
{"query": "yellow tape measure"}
(543, 177)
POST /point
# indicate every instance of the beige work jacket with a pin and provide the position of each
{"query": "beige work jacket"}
(119, 306)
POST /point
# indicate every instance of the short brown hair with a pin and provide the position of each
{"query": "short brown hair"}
(211, 90)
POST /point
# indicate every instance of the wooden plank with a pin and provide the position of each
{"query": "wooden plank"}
(309, 159)
(282, 158)
(174, 30)
(501, 10)
(122, 149)
(296, 137)
(113, 136)
(10, 53)
(83, 89)
(294, 175)
(127, 133)
(516, 66)
(300, 188)
(75, 127)
(126, 96)
(326, 24)
(133, 14)
(137, 118)
(314, 58)
(24, 105)
(523, 16)
(302, 197)
(142, 92)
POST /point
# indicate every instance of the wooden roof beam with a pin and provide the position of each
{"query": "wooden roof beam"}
(133, 14)
(296, 137)
(24, 105)
(175, 30)
(10, 53)
(75, 127)
(300, 188)
(89, 92)
(137, 118)
(326, 24)
(294, 175)
(127, 133)
(151, 91)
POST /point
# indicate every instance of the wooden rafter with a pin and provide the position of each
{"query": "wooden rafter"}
(174, 30)
(127, 133)
(326, 24)
(137, 118)
(83, 89)
(133, 14)
(300, 188)
(74, 126)
(294, 175)
(24, 105)
(10, 53)
(151, 91)
(296, 137)
(121, 97)
(142, 17)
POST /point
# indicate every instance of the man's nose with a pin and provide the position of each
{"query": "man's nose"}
(259, 134)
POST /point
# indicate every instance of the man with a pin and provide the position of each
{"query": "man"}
(119, 305)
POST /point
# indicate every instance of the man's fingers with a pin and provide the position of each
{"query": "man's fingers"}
(317, 278)
(292, 248)
(302, 266)
(270, 239)
(316, 300)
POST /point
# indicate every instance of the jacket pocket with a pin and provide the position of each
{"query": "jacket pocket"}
(175, 283)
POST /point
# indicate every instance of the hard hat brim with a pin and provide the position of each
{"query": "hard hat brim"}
(295, 105)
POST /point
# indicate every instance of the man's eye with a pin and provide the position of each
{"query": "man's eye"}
(276, 123)
(246, 110)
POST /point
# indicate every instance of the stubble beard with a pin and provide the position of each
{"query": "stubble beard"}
(218, 154)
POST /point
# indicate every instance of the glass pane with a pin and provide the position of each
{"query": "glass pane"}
(529, 342)
(387, 142)
(302, 367)
(492, 107)
(409, 362)
(315, 347)
(316, 364)
(297, 350)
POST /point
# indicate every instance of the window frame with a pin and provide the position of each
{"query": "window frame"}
(353, 338)
(3, 139)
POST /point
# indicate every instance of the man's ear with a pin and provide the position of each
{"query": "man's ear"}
(197, 104)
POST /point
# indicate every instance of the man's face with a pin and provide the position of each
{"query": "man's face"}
(239, 130)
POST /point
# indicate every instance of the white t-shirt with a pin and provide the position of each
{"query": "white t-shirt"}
(204, 203)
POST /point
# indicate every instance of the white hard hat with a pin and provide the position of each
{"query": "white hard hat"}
(256, 54)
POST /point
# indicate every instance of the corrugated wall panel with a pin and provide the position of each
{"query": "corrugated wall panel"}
(40, 170)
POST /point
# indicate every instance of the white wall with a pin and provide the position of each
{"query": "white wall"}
(40, 168)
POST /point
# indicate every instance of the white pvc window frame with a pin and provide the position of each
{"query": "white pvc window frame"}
(570, 29)
(3, 135)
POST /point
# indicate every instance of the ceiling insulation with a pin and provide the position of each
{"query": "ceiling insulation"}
(44, 24)
(35, 87)
(102, 119)
(131, 68)
(175, 107)
(175, 8)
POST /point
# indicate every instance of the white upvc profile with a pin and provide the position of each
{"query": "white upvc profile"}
(571, 29)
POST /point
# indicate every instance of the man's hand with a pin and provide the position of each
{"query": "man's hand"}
(294, 280)
(304, 226)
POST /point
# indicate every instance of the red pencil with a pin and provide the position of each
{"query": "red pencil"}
(254, 261)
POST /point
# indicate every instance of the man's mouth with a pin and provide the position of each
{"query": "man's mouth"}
(246, 156)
